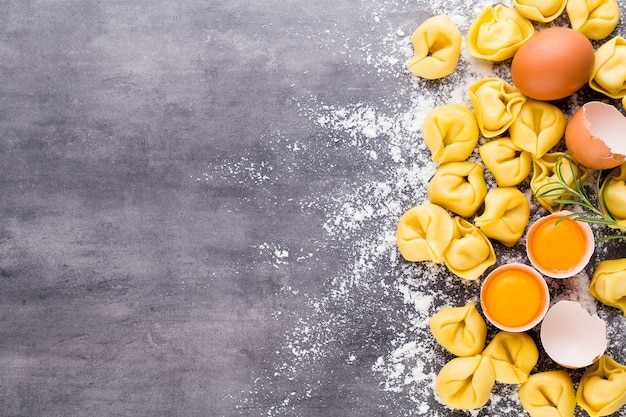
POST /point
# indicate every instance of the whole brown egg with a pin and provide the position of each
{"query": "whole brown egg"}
(554, 63)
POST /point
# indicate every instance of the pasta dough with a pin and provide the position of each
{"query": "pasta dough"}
(540, 10)
(608, 76)
(470, 252)
(546, 170)
(538, 127)
(513, 356)
(459, 187)
(509, 164)
(613, 191)
(462, 331)
(602, 388)
(595, 19)
(496, 105)
(548, 394)
(424, 232)
(436, 48)
(497, 33)
(466, 383)
(450, 132)
(506, 215)
(608, 283)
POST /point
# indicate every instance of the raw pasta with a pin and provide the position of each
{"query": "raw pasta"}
(548, 394)
(506, 215)
(602, 388)
(540, 10)
(608, 283)
(613, 191)
(459, 187)
(608, 76)
(538, 127)
(450, 132)
(497, 33)
(424, 232)
(436, 48)
(466, 383)
(470, 252)
(496, 105)
(509, 164)
(545, 173)
(513, 356)
(595, 19)
(462, 331)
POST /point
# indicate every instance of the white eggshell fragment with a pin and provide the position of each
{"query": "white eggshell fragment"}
(571, 336)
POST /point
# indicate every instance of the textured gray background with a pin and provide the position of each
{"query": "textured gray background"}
(127, 286)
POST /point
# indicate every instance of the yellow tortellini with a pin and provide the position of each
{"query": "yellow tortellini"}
(462, 331)
(602, 388)
(595, 19)
(470, 252)
(466, 382)
(436, 48)
(506, 215)
(496, 105)
(548, 394)
(540, 10)
(509, 164)
(450, 132)
(459, 187)
(608, 75)
(608, 283)
(546, 170)
(497, 33)
(424, 232)
(538, 127)
(513, 356)
(613, 192)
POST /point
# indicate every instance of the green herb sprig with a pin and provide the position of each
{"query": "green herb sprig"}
(563, 193)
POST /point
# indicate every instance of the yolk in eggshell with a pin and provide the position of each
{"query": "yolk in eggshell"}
(557, 247)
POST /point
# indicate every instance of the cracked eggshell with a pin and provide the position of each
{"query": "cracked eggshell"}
(571, 336)
(595, 136)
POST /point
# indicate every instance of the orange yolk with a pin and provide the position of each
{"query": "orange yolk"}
(514, 297)
(558, 247)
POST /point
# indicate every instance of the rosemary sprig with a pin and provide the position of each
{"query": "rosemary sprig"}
(562, 192)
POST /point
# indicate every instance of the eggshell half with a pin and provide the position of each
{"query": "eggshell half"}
(571, 336)
(595, 135)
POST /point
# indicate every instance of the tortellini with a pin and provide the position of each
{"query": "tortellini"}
(540, 10)
(436, 48)
(513, 356)
(608, 283)
(470, 252)
(450, 132)
(496, 105)
(538, 127)
(613, 192)
(595, 19)
(602, 388)
(424, 232)
(548, 394)
(608, 76)
(546, 170)
(462, 331)
(466, 382)
(497, 33)
(506, 215)
(509, 164)
(459, 187)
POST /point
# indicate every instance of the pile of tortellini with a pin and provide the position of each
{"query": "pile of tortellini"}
(466, 381)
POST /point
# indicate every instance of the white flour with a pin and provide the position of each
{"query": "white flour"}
(378, 291)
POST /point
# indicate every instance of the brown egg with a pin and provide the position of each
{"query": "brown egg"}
(554, 63)
(595, 136)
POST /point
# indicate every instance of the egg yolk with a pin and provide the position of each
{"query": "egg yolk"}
(513, 298)
(558, 247)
